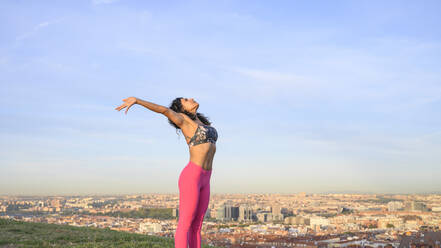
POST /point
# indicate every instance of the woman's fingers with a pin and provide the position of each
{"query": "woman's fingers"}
(127, 104)
(128, 107)
(121, 107)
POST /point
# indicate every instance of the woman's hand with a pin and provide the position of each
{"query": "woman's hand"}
(128, 103)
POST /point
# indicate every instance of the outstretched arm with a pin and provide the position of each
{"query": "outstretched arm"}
(153, 107)
(172, 115)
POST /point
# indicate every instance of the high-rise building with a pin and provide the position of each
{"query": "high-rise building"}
(264, 216)
(276, 212)
(415, 206)
(276, 209)
(227, 213)
(220, 213)
(207, 214)
(232, 213)
(245, 213)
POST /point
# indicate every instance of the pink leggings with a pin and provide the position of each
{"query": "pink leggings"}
(194, 195)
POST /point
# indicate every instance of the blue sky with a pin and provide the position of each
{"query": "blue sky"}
(307, 96)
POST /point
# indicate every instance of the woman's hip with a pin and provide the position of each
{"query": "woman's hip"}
(195, 173)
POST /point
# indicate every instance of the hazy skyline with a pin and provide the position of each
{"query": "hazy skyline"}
(306, 96)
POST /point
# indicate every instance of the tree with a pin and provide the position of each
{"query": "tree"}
(389, 225)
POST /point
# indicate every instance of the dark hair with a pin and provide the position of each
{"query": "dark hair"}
(176, 106)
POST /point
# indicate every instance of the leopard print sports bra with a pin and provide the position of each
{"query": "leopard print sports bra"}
(203, 134)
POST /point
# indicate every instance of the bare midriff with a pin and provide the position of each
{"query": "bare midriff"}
(203, 154)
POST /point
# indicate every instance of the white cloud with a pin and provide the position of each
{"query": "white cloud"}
(97, 2)
(377, 74)
(269, 75)
(267, 83)
(36, 29)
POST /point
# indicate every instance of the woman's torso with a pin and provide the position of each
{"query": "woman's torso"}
(201, 151)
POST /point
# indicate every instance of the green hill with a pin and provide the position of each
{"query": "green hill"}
(28, 234)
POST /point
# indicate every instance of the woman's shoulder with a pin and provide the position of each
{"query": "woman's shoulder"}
(193, 123)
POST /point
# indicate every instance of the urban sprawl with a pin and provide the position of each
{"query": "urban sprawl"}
(252, 220)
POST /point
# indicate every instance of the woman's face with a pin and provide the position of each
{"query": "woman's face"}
(189, 104)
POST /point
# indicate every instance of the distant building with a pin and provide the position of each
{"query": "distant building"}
(207, 213)
(297, 220)
(55, 203)
(436, 209)
(390, 222)
(394, 206)
(227, 213)
(276, 209)
(245, 213)
(415, 206)
(150, 227)
(343, 209)
(264, 216)
(276, 212)
(319, 221)
(220, 213)
(231, 212)
(423, 239)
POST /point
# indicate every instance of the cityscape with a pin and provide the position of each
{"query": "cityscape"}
(296, 124)
(251, 220)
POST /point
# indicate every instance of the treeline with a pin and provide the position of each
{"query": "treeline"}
(104, 203)
(154, 213)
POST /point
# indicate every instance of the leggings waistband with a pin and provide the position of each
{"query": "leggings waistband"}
(199, 168)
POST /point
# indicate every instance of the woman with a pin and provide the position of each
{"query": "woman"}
(194, 179)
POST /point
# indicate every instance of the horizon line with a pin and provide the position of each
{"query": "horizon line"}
(239, 193)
